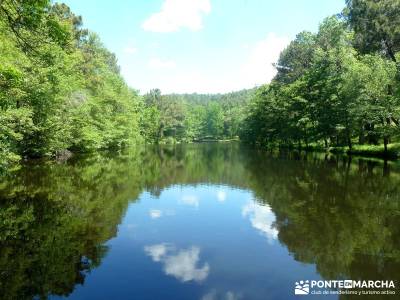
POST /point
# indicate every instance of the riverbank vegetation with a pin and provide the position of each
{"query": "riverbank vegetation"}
(337, 88)
(61, 90)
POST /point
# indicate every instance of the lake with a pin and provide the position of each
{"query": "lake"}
(201, 221)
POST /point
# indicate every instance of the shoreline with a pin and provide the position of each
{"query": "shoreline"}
(374, 151)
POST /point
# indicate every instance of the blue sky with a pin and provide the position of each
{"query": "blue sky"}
(203, 46)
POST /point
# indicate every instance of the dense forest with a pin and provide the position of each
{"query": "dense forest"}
(335, 88)
(193, 117)
(61, 90)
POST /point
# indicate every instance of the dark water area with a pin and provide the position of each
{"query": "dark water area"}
(205, 221)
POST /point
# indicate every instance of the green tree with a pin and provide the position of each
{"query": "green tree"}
(376, 25)
(214, 122)
(60, 89)
(296, 58)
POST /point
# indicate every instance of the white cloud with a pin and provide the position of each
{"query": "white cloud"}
(190, 200)
(258, 68)
(221, 196)
(154, 45)
(176, 14)
(181, 264)
(245, 68)
(261, 218)
(253, 68)
(156, 251)
(130, 50)
(131, 226)
(155, 213)
(214, 295)
(169, 212)
(156, 63)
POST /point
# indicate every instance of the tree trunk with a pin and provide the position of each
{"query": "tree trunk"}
(161, 132)
(361, 136)
(349, 140)
(386, 138)
(385, 143)
(390, 51)
(386, 168)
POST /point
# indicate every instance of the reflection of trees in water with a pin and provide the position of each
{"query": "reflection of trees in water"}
(55, 221)
(56, 218)
(344, 217)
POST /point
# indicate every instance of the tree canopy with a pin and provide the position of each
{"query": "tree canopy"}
(337, 87)
(60, 88)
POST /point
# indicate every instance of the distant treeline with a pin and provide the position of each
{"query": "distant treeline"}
(338, 87)
(193, 117)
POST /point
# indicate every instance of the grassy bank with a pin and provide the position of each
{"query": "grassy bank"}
(393, 150)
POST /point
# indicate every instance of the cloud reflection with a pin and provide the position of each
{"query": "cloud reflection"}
(221, 196)
(155, 213)
(214, 295)
(182, 264)
(261, 218)
(191, 200)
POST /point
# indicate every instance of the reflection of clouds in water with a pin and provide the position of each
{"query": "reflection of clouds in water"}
(155, 213)
(221, 196)
(190, 200)
(261, 218)
(181, 264)
(157, 251)
(131, 226)
(169, 212)
(214, 295)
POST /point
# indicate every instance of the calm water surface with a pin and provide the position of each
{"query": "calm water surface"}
(209, 221)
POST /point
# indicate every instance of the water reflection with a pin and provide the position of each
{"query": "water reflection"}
(262, 218)
(191, 200)
(221, 196)
(68, 229)
(155, 213)
(214, 295)
(181, 263)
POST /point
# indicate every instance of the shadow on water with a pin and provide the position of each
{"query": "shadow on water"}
(340, 214)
